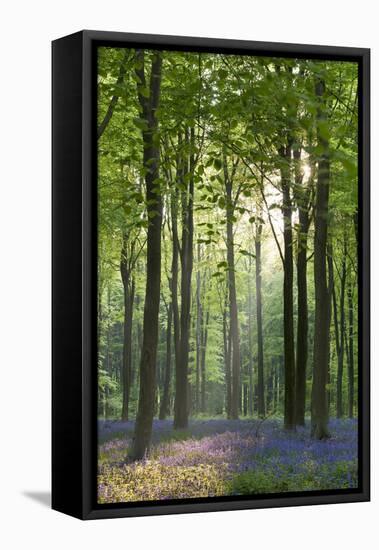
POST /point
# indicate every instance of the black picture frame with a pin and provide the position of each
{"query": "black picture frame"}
(74, 324)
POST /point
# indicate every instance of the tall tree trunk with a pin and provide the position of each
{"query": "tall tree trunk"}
(108, 353)
(351, 347)
(165, 402)
(227, 358)
(144, 421)
(258, 287)
(245, 389)
(333, 306)
(319, 421)
(233, 310)
(302, 291)
(288, 332)
(186, 260)
(250, 342)
(302, 327)
(101, 393)
(129, 288)
(175, 272)
(198, 328)
(333, 297)
(341, 351)
(204, 340)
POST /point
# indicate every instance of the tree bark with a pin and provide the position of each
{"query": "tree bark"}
(233, 310)
(302, 292)
(175, 272)
(250, 343)
(258, 287)
(351, 347)
(109, 362)
(333, 309)
(198, 328)
(165, 402)
(288, 332)
(319, 420)
(204, 341)
(227, 358)
(144, 420)
(129, 289)
(186, 260)
(341, 351)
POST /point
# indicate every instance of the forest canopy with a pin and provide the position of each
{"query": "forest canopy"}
(227, 240)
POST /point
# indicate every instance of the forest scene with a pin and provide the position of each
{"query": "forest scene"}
(227, 275)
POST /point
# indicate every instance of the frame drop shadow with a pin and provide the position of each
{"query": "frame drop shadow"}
(41, 497)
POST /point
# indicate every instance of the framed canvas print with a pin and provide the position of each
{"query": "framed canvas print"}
(210, 274)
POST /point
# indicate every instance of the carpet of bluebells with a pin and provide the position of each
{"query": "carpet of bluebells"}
(219, 457)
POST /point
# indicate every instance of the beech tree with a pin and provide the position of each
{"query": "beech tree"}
(148, 97)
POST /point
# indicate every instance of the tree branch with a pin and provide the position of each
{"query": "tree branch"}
(113, 102)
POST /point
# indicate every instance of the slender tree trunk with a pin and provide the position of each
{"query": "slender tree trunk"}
(227, 357)
(289, 349)
(186, 258)
(233, 311)
(278, 381)
(134, 374)
(203, 373)
(250, 343)
(333, 306)
(129, 288)
(319, 419)
(108, 354)
(341, 351)
(144, 421)
(191, 387)
(351, 347)
(165, 402)
(302, 329)
(302, 291)
(258, 287)
(273, 385)
(175, 273)
(338, 335)
(198, 328)
(101, 394)
(245, 389)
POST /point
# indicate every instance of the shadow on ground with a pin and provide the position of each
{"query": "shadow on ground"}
(42, 497)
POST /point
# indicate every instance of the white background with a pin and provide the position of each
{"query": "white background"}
(27, 29)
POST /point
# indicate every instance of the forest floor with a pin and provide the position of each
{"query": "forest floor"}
(217, 457)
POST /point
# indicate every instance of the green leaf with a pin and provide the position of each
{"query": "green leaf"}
(217, 163)
(144, 91)
(141, 123)
(222, 73)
